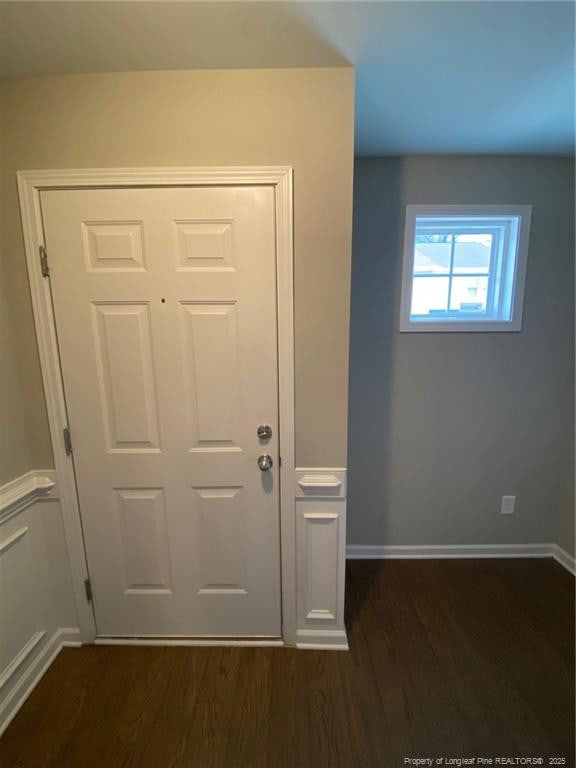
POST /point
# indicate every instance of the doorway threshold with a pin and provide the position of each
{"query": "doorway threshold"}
(249, 642)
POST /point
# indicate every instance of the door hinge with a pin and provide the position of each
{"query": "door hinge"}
(88, 588)
(67, 441)
(44, 261)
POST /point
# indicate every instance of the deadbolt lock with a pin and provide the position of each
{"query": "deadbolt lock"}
(264, 432)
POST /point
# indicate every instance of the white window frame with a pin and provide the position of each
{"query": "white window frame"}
(458, 323)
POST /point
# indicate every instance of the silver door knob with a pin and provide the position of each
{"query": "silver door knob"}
(264, 432)
(265, 462)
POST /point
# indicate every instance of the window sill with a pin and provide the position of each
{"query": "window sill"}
(464, 326)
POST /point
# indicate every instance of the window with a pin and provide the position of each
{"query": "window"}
(464, 267)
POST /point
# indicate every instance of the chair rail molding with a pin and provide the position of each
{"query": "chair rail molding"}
(18, 494)
(321, 559)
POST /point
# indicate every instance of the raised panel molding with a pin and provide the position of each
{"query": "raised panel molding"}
(203, 246)
(11, 540)
(20, 657)
(210, 351)
(221, 534)
(18, 494)
(113, 246)
(126, 378)
(321, 542)
(321, 537)
(143, 540)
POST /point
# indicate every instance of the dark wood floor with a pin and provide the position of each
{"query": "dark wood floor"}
(448, 658)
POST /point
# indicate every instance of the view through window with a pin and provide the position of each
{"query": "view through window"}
(463, 268)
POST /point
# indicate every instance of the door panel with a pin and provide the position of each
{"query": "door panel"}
(221, 513)
(125, 375)
(165, 307)
(143, 539)
(203, 245)
(114, 245)
(210, 353)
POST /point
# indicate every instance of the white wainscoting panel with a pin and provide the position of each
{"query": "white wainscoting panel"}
(37, 599)
(321, 541)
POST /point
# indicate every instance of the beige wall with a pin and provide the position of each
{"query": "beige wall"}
(442, 425)
(303, 118)
(15, 456)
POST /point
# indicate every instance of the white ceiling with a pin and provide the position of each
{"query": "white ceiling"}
(431, 77)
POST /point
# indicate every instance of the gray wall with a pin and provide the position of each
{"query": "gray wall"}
(442, 425)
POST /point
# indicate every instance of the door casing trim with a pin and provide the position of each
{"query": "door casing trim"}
(30, 185)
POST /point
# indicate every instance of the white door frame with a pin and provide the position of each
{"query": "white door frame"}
(30, 184)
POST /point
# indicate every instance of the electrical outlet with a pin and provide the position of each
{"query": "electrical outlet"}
(508, 503)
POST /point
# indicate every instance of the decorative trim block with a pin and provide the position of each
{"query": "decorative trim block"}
(320, 483)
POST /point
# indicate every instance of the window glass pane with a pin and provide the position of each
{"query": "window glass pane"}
(472, 253)
(429, 295)
(469, 294)
(432, 254)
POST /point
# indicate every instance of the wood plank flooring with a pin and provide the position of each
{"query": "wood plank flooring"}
(448, 658)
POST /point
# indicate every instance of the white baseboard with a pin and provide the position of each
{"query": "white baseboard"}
(565, 559)
(34, 672)
(321, 640)
(371, 552)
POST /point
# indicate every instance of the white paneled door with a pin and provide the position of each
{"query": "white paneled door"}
(165, 305)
